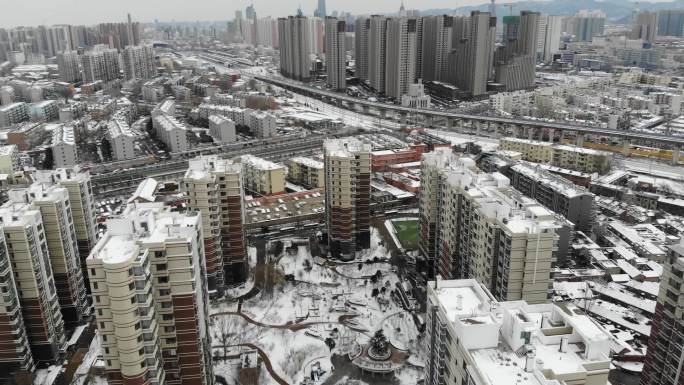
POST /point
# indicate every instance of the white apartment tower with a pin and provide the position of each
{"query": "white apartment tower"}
(335, 53)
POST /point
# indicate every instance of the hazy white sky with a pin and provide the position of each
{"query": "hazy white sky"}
(34, 12)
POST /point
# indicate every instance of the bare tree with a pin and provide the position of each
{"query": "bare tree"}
(224, 326)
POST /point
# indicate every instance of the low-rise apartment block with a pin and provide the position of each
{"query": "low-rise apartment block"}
(306, 171)
(147, 279)
(64, 149)
(172, 133)
(263, 177)
(9, 159)
(121, 138)
(13, 113)
(222, 129)
(564, 156)
(555, 193)
(471, 338)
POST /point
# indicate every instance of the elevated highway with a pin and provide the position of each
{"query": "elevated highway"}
(502, 126)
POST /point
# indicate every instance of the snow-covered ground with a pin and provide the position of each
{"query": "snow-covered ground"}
(322, 293)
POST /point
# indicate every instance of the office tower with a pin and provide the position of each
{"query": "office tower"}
(139, 62)
(361, 36)
(466, 215)
(644, 26)
(665, 353)
(13, 338)
(294, 43)
(671, 22)
(214, 187)
(588, 24)
(347, 196)
(251, 24)
(335, 53)
(472, 55)
(55, 209)
(320, 10)
(67, 63)
(437, 35)
(377, 47)
(100, 64)
(471, 338)
(401, 50)
(548, 41)
(82, 204)
(25, 235)
(151, 301)
(239, 25)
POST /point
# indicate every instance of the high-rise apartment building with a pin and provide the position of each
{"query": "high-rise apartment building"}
(347, 195)
(101, 64)
(16, 356)
(214, 187)
(27, 247)
(663, 364)
(401, 52)
(645, 26)
(437, 42)
(671, 22)
(485, 230)
(151, 299)
(82, 205)
(55, 208)
(68, 66)
(294, 45)
(377, 51)
(139, 62)
(471, 338)
(361, 36)
(516, 60)
(336, 53)
(588, 24)
(471, 59)
(548, 41)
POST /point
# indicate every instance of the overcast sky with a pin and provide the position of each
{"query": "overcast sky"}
(35, 12)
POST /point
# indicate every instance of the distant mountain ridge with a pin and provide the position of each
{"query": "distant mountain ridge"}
(614, 9)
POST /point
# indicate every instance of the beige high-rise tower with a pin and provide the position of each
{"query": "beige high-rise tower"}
(213, 186)
(347, 196)
(151, 299)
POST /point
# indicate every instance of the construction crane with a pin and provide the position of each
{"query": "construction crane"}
(510, 8)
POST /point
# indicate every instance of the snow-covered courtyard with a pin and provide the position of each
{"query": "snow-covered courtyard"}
(316, 313)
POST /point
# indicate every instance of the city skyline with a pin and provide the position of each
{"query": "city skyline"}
(46, 12)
